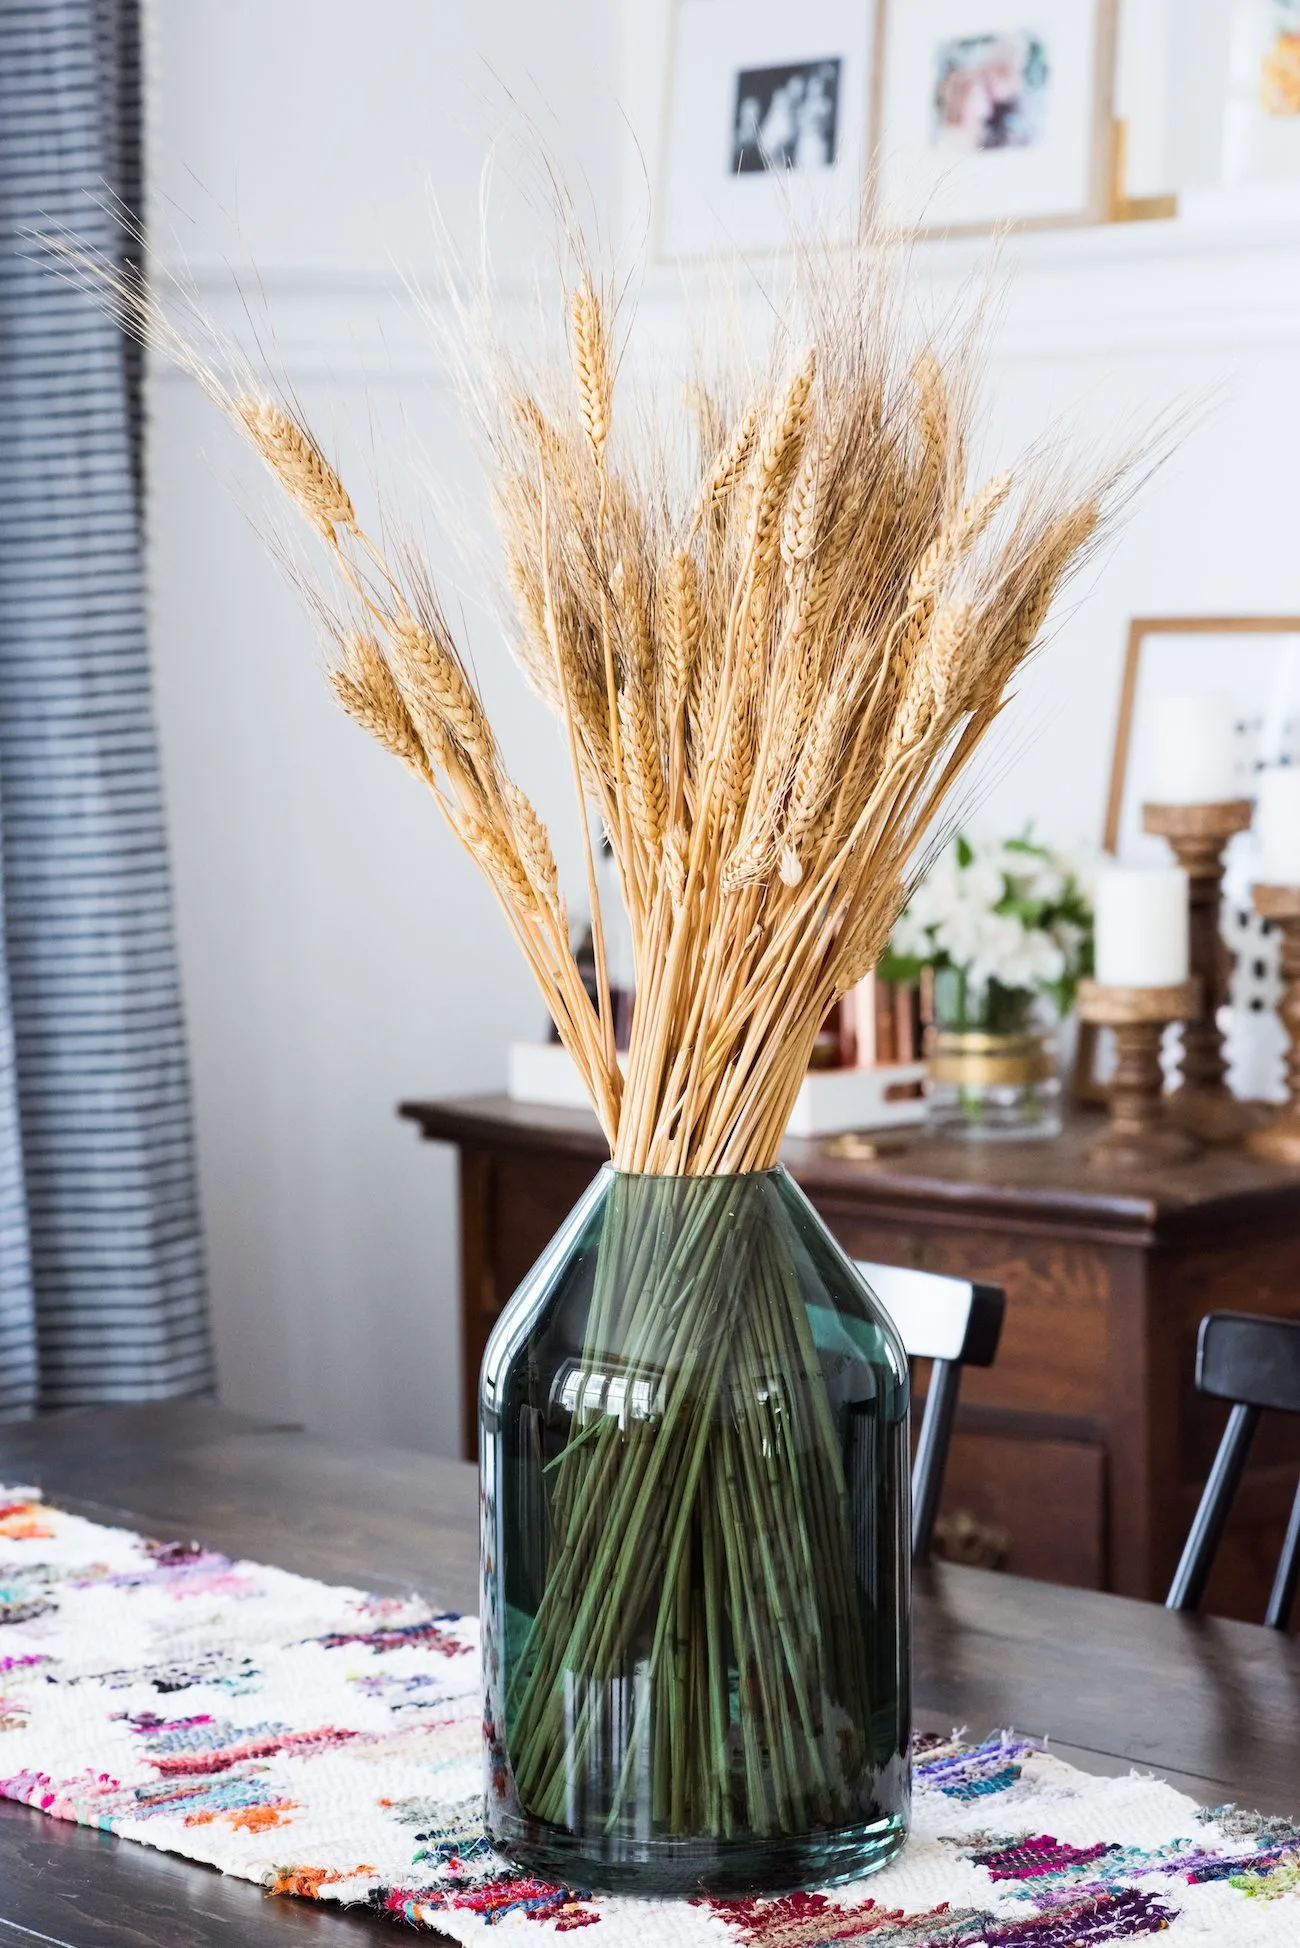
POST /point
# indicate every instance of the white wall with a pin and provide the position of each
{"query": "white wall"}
(338, 952)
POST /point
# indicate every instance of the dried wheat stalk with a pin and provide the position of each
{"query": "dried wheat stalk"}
(769, 676)
(767, 681)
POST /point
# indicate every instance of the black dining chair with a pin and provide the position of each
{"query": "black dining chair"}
(955, 1323)
(1254, 1363)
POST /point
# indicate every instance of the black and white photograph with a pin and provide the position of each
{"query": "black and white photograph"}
(786, 117)
(767, 123)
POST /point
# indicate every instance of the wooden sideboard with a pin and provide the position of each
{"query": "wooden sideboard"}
(1086, 1443)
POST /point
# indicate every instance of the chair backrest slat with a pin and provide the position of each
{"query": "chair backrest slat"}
(939, 1318)
(1287, 1581)
(1253, 1362)
(1240, 1356)
(955, 1323)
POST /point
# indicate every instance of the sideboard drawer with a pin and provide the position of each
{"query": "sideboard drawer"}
(1052, 1355)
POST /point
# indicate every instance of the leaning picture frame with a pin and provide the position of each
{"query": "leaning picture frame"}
(767, 125)
(1253, 662)
(1202, 653)
(995, 114)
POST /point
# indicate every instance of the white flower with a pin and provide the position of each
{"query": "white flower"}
(938, 893)
(983, 881)
(960, 931)
(1009, 859)
(1000, 950)
(952, 916)
(1038, 963)
(1035, 875)
(1045, 883)
(1069, 937)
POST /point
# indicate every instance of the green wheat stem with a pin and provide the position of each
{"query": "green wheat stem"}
(714, 1532)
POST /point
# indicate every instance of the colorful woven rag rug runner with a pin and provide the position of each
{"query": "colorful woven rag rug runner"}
(325, 1743)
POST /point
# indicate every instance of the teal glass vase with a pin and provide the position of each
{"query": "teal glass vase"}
(695, 1510)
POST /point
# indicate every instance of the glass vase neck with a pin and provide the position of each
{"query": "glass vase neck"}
(774, 1172)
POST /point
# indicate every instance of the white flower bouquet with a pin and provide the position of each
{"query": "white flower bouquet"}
(1003, 930)
(1001, 925)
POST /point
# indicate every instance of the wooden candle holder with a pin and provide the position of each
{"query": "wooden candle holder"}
(1279, 1138)
(1198, 836)
(1139, 1133)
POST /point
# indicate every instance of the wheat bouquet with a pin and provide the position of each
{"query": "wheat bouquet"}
(769, 666)
(769, 669)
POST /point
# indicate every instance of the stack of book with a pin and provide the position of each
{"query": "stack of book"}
(878, 1024)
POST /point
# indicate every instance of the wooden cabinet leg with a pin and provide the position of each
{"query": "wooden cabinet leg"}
(478, 1294)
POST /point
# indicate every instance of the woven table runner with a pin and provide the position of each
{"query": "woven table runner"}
(325, 1743)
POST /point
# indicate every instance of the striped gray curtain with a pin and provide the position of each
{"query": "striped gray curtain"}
(101, 1265)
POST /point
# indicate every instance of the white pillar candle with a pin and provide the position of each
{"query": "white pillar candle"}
(1277, 825)
(1141, 926)
(1194, 749)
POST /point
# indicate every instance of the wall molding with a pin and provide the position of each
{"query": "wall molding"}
(1216, 286)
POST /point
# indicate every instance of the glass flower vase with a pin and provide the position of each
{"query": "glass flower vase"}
(991, 1052)
(695, 1509)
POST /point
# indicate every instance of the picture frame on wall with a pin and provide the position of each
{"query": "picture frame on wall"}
(1261, 124)
(767, 124)
(995, 112)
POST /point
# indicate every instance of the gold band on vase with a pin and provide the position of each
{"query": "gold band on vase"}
(972, 1059)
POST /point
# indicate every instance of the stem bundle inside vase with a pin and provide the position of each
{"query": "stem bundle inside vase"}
(769, 664)
(698, 1532)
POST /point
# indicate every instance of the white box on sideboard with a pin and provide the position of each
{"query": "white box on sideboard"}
(829, 1102)
(544, 1072)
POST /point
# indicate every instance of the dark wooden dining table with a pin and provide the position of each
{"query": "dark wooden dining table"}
(1212, 1705)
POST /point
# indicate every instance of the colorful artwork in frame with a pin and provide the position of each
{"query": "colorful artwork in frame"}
(995, 113)
(1261, 121)
(1279, 76)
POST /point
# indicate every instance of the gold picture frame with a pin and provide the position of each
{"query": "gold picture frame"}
(1139, 630)
(1104, 199)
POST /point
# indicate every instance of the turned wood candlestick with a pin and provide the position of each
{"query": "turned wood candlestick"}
(1198, 836)
(1139, 1133)
(1279, 1138)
